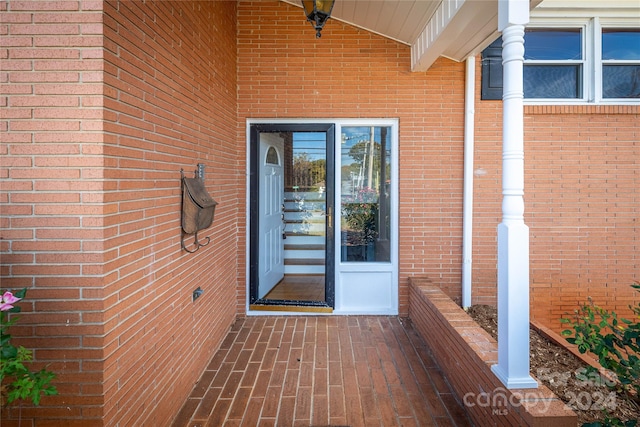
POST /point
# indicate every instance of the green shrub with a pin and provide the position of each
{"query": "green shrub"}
(615, 341)
(17, 382)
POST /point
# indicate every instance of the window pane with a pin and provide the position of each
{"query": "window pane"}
(272, 157)
(553, 44)
(552, 81)
(621, 43)
(365, 205)
(621, 81)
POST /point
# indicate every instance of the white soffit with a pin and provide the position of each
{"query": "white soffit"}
(399, 20)
(454, 29)
(459, 29)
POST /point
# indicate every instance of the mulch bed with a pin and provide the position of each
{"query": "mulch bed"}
(566, 375)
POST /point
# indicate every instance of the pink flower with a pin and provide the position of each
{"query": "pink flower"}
(7, 300)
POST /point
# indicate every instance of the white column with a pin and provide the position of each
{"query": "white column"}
(467, 194)
(513, 235)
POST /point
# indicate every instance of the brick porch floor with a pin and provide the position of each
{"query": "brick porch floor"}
(322, 371)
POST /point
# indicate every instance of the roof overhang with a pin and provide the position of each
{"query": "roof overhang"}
(454, 29)
(457, 30)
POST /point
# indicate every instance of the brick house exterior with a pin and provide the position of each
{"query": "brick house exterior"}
(104, 102)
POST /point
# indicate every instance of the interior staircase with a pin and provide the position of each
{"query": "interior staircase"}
(304, 229)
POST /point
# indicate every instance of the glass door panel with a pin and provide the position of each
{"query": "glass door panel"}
(291, 237)
(304, 215)
(365, 204)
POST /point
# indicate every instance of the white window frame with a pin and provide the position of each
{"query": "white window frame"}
(599, 24)
(592, 57)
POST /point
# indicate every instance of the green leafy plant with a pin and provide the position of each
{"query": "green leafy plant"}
(17, 381)
(360, 213)
(615, 341)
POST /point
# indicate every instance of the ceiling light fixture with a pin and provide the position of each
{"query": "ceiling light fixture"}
(317, 12)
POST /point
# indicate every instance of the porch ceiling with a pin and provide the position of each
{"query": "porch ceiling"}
(455, 29)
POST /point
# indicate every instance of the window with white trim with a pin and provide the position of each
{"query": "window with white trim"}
(620, 63)
(594, 61)
(554, 63)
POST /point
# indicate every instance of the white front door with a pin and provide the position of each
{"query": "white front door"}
(271, 199)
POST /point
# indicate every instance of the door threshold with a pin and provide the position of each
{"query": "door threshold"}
(291, 308)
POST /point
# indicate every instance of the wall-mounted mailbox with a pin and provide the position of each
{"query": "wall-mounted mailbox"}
(198, 209)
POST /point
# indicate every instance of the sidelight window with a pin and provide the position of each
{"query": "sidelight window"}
(365, 204)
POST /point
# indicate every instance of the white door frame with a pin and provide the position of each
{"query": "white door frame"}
(356, 290)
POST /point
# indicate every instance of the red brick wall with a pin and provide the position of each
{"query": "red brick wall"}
(51, 192)
(582, 194)
(285, 72)
(583, 208)
(96, 131)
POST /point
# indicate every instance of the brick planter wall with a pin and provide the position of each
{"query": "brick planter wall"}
(465, 352)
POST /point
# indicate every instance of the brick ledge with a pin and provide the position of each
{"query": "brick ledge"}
(465, 352)
(630, 109)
